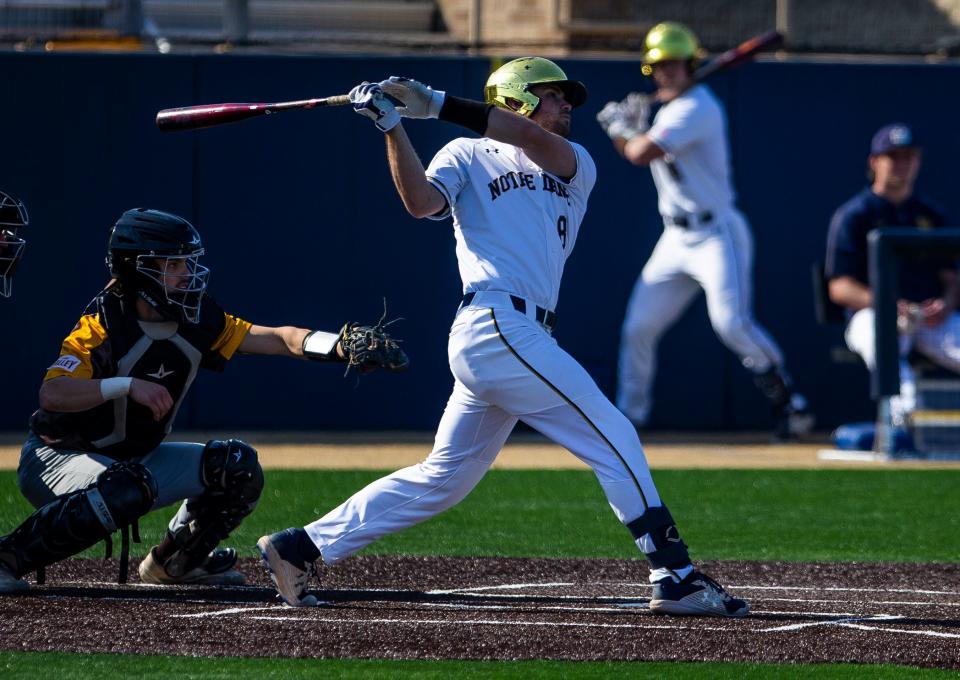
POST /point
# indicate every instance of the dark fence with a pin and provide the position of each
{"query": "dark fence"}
(302, 224)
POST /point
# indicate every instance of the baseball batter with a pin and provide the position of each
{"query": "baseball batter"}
(706, 242)
(517, 195)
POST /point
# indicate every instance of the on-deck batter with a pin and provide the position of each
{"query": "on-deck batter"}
(517, 196)
(706, 242)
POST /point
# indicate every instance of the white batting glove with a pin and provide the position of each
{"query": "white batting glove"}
(626, 119)
(368, 100)
(636, 109)
(416, 99)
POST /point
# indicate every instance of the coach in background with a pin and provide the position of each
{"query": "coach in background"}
(13, 218)
(96, 460)
(706, 242)
(927, 318)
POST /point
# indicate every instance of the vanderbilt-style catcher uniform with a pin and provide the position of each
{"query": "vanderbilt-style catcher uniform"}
(67, 451)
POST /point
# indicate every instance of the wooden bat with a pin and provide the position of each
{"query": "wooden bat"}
(739, 54)
(208, 115)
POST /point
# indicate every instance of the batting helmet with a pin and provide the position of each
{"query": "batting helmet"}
(509, 86)
(13, 217)
(156, 254)
(666, 41)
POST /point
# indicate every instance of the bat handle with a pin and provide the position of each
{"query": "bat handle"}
(338, 100)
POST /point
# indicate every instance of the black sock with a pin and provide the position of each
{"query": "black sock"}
(306, 547)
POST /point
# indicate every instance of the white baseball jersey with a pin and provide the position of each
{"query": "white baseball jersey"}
(515, 224)
(515, 227)
(695, 174)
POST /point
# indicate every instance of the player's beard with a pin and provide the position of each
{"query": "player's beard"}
(559, 126)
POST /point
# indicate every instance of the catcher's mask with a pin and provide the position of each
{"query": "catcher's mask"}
(13, 217)
(509, 86)
(668, 41)
(156, 255)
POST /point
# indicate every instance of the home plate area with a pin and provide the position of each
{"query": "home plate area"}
(495, 608)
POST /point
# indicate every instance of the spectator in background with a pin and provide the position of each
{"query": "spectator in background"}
(927, 318)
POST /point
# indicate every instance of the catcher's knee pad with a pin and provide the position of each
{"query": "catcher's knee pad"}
(669, 550)
(231, 468)
(73, 522)
(233, 479)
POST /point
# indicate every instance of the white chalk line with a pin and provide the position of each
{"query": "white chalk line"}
(469, 590)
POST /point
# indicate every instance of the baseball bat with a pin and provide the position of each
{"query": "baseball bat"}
(739, 54)
(208, 115)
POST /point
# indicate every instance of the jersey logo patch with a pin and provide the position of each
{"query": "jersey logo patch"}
(160, 374)
(66, 362)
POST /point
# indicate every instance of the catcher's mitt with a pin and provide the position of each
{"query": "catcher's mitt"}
(370, 347)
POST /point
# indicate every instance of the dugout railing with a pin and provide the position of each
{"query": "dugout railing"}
(935, 423)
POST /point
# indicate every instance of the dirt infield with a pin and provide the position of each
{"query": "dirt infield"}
(392, 450)
(495, 608)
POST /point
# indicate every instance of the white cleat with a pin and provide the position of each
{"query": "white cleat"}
(289, 571)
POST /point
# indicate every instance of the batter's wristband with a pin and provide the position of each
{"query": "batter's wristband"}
(465, 113)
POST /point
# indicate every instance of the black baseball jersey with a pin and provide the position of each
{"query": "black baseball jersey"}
(847, 242)
(110, 341)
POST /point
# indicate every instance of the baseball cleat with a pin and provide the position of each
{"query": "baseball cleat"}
(9, 583)
(289, 571)
(696, 595)
(216, 570)
(795, 419)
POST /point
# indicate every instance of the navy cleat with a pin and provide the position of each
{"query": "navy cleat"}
(696, 595)
(289, 570)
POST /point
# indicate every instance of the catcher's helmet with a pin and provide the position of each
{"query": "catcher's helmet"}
(13, 217)
(666, 41)
(156, 254)
(511, 83)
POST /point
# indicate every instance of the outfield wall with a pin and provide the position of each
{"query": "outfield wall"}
(302, 225)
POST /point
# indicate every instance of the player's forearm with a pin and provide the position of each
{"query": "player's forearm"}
(550, 151)
(640, 150)
(419, 197)
(69, 395)
(850, 293)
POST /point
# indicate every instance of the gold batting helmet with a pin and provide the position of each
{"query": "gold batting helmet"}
(512, 81)
(666, 41)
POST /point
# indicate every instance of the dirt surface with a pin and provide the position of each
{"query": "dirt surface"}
(392, 450)
(493, 608)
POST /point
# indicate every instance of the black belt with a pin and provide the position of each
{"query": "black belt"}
(684, 221)
(544, 316)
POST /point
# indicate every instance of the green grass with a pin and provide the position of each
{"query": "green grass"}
(28, 665)
(838, 515)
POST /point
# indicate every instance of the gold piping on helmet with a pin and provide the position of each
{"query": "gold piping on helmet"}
(510, 85)
(667, 41)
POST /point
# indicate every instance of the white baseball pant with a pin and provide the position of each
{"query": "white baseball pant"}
(507, 368)
(717, 258)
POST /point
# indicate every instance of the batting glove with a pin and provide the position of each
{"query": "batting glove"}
(626, 119)
(368, 100)
(416, 99)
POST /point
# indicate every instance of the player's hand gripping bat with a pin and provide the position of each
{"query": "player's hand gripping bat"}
(208, 115)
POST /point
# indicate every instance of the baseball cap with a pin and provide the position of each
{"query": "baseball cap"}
(893, 136)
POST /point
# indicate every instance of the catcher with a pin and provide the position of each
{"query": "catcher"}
(96, 460)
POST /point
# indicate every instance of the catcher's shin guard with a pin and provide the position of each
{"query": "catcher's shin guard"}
(234, 480)
(71, 523)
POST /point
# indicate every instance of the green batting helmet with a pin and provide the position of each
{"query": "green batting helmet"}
(512, 81)
(666, 41)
